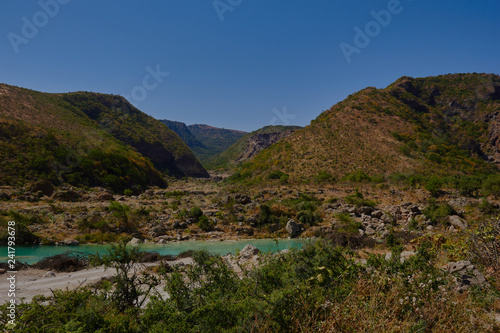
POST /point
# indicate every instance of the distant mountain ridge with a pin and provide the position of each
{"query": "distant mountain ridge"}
(205, 141)
(447, 124)
(88, 139)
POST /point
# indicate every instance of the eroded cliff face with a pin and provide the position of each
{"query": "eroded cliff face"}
(260, 141)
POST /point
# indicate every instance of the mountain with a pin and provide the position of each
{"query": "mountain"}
(447, 124)
(86, 138)
(205, 141)
(250, 145)
(183, 131)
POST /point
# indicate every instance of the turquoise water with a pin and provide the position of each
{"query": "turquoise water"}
(32, 254)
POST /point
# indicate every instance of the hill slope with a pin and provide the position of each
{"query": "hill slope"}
(444, 124)
(86, 139)
(250, 145)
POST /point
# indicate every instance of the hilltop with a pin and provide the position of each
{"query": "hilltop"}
(86, 139)
(446, 124)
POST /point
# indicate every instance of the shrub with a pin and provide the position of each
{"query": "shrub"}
(358, 199)
(433, 185)
(491, 185)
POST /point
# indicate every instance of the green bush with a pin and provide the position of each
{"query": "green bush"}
(434, 185)
(491, 185)
(358, 199)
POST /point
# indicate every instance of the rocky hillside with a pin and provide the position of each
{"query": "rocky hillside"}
(250, 145)
(86, 139)
(444, 124)
(183, 131)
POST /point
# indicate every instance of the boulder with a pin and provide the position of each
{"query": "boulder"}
(71, 242)
(135, 241)
(466, 275)
(49, 274)
(4, 196)
(457, 222)
(66, 195)
(43, 186)
(157, 231)
(249, 251)
(293, 228)
(106, 196)
(377, 214)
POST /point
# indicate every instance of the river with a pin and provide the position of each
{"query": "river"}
(32, 254)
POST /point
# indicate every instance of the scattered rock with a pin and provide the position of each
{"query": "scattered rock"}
(43, 186)
(466, 275)
(67, 195)
(457, 222)
(369, 231)
(4, 196)
(135, 241)
(249, 251)
(71, 242)
(157, 231)
(294, 229)
(49, 274)
(377, 214)
(106, 196)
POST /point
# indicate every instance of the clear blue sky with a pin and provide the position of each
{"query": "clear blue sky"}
(263, 55)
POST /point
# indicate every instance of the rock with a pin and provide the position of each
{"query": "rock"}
(43, 186)
(405, 255)
(135, 241)
(242, 199)
(157, 231)
(2, 271)
(71, 242)
(365, 210)
(4, 196)
(414, 209)
(369, 231)
(249, 251)
(466, 275)
(377, 214)
(106, 196)
(66, 195)
(457, 222)
(294, 229)
(49, 274)
(361, 232)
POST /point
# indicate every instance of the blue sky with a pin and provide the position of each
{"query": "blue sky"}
(266, 62)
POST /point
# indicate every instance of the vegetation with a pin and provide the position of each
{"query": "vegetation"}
(318, 288)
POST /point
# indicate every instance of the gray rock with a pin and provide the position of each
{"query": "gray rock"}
(49, 274)
(365, 210)
(457, 222)
(377, 214)
(66, 195)
(106, 196)
(294, 229)
(249, 251)
(369, 231)
(71, 242)
(466, 275)
(135, 241)
(157, 231)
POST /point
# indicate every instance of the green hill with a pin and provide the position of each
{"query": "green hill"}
(250, 145)
(86, 139)
(437, 125)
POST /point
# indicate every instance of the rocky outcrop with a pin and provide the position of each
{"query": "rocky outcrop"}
(260, 141)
